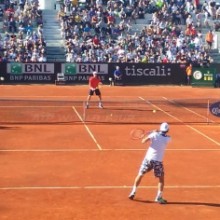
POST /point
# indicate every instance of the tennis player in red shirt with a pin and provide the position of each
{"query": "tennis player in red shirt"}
(94, 82)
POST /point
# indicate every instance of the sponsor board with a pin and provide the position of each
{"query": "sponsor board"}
(214, 108)
(156, 70)
(85, 69)
(80, 73)
(81, 78)
(197, 75)
(30, 78)
(30, 68)
(30, 72)
(150, 73)
(203, 76)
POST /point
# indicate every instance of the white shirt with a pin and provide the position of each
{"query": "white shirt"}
(157, 146)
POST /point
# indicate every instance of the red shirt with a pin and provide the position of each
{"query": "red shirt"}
(96, 41)
(94, 82)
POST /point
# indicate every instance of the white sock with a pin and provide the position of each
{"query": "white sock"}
(159, 194)
(133, 190)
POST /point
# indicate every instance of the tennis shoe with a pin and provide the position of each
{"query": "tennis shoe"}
(131, 196)
(87, 105)
(161, 200)
(100, 106)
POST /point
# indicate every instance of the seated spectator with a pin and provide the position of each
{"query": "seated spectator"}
(12, 27)
(110, 19)
(103, 35)
(28, 29)
(96, 42)
(216, 25)
(86, 31)
(9, 11)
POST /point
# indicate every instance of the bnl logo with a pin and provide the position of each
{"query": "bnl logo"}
(72, 69)
(89, 68)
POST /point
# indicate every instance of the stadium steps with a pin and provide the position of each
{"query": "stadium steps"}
(141, 23)
(215, 53)
(1, 22)
(52, 34)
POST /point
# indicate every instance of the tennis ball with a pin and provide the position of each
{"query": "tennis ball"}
(154, 111)
(111, 115)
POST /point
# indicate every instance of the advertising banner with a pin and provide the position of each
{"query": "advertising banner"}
(132, 73)
(203, 76)
(80, 72)
(30, 73)
(150, 73)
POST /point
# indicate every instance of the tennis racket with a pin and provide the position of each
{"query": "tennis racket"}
(139, 133)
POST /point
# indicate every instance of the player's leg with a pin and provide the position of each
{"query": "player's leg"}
(146, 166)
(159, 173)
(159, 197)
(100, 101)
(91, 92)
(137, 182)
(98, 93)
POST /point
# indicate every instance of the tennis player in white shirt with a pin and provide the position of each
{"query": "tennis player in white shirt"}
(154, 160)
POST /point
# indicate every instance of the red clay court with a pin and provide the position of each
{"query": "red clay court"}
(56, 166)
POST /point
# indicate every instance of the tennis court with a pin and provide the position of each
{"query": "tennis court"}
(60, 161)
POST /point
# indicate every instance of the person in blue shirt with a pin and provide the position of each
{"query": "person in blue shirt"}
(117, 76)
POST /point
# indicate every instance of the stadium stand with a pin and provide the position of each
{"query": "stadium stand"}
(21, 32)
(136, 31)
(147, 31)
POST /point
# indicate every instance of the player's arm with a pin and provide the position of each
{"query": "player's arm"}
(145, 139)
(148, 137)
(99, 83)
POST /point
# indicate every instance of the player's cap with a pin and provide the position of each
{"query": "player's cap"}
(94, 73)
(164, 127)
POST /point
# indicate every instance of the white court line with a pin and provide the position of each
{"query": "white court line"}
(189, 126)
(87, 128)
(36, 106)
(106, 187)
(65, 96)
(108, 149)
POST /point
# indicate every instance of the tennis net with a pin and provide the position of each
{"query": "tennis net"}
(39, 111)
(140, 111)
(153, 111)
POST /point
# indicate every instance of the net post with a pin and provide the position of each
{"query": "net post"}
(208, 103)
(84, 111)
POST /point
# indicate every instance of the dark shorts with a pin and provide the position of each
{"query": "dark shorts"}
(96, 91)
(147, 166)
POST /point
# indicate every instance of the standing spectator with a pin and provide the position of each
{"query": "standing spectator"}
(189, 73)
(117, 74)
(209, 39)
(217, 80)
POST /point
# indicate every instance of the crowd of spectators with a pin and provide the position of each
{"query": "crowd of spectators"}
(103, 31)
(23, 39)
